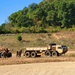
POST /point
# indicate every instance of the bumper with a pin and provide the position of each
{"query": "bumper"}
(64, 51)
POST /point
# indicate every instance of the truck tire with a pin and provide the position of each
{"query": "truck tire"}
(54, 54)
(0, 55)
(27, 54)
(9, 54)
(33, 54)
(47, 54)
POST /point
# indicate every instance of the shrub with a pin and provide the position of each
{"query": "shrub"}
(19, 37)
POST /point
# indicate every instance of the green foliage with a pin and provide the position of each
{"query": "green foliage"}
(52, 29)
(0, 30)
(47, 16)
(19, 37)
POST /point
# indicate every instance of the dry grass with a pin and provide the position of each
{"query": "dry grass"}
(11, 41)
(69, 56)
(39, 39)
(24, 60)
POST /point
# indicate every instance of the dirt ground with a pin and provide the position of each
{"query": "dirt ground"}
(64, 65)
(51, 68)
(69, 57)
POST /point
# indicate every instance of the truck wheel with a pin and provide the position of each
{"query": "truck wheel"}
(27, 54)
(0, 55)
(33, 54)
(54, 53)
(47, 53)
(9, 54)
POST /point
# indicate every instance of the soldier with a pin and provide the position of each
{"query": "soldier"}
(19, 53)
(4, 54)
(16, 53)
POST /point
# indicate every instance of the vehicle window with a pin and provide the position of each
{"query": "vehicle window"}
(59, 47)
(64, 46)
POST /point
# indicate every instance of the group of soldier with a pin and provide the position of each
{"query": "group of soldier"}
(18, 53)
(5, 52)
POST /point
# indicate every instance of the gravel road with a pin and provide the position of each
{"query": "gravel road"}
(51, 68)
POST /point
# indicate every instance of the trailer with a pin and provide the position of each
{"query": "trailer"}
(50, 50)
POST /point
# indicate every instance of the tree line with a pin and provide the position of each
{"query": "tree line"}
(47, 16)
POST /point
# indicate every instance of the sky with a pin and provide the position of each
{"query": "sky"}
(7, 7)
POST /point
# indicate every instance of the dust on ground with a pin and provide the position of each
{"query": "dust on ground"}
(51, 68)
(69, 56)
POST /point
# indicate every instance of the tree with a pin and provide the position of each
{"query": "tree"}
(37, 17)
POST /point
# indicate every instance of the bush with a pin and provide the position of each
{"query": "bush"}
(19, 37)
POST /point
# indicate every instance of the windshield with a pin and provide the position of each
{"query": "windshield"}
(59, 47)
(64, 46)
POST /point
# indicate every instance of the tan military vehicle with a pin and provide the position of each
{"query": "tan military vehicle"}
(51, 50)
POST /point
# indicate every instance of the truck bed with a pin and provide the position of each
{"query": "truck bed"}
(36, 48)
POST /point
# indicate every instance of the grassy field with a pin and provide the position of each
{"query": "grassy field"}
(37, 39)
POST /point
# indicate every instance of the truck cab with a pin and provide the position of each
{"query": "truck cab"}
(57, 50)
(61, 49)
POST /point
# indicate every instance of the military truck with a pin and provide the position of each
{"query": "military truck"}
(51, 50)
